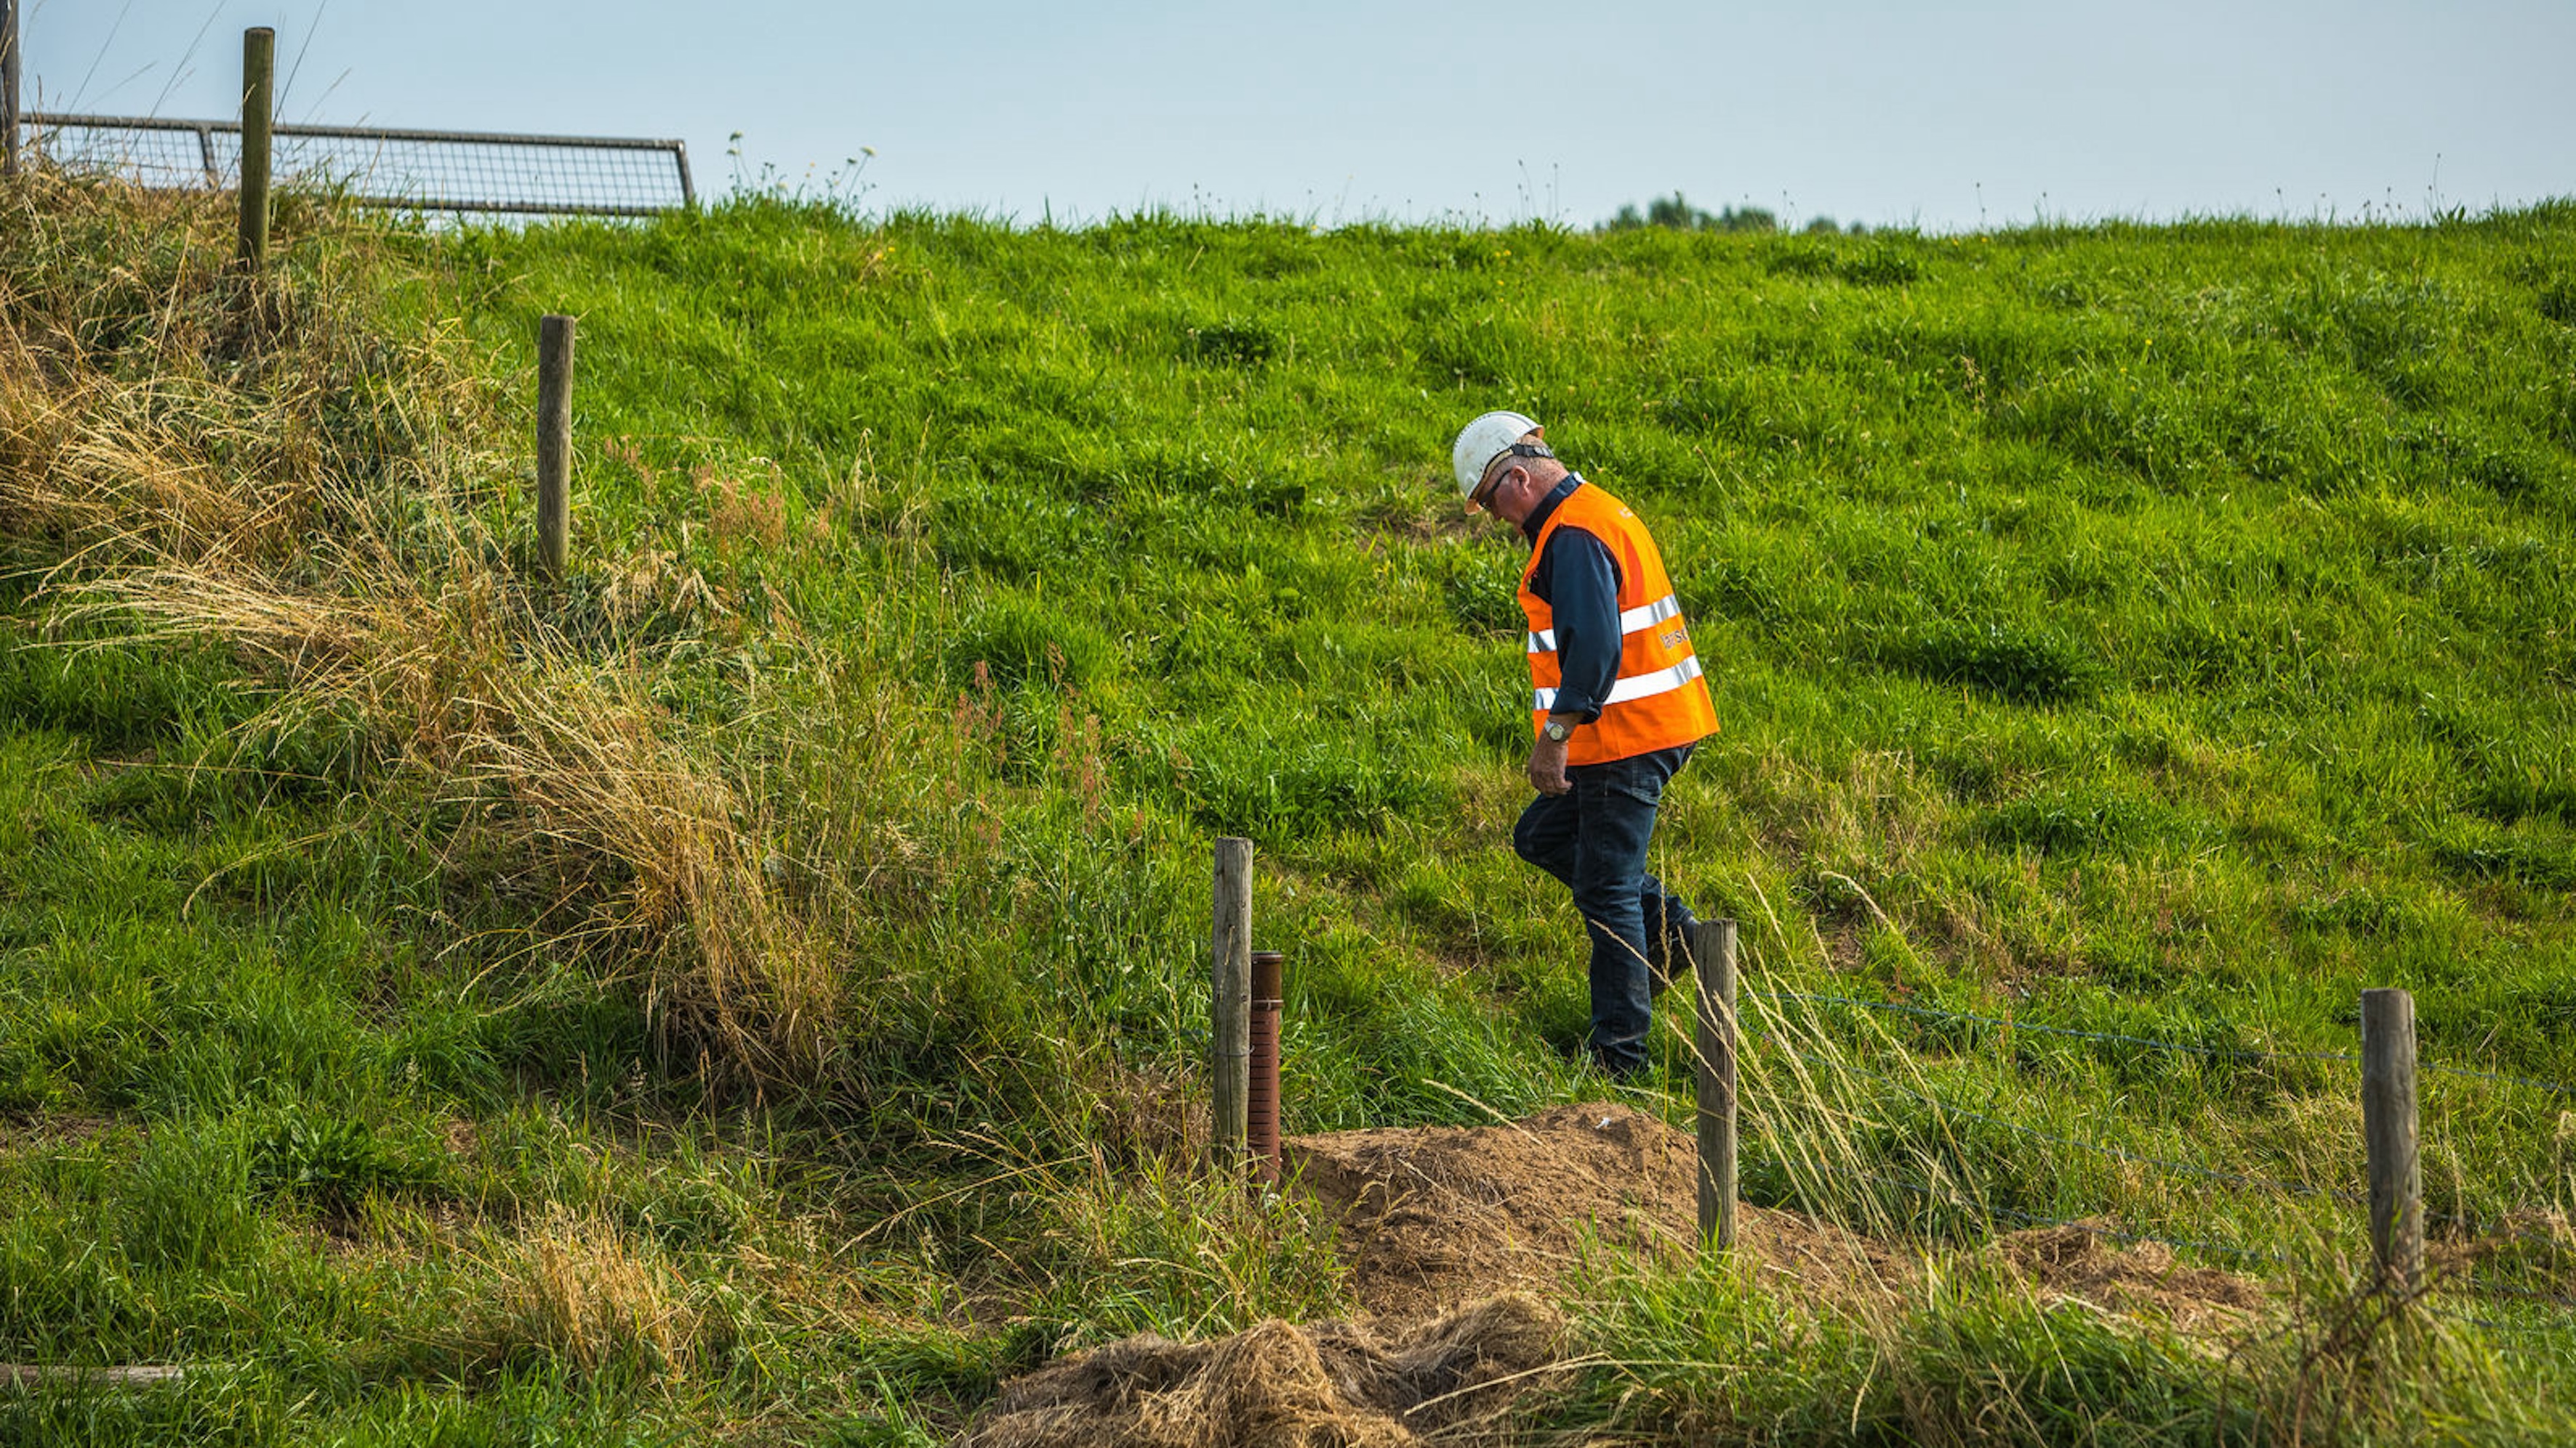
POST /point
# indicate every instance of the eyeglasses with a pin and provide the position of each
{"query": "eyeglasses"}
(1517, 450)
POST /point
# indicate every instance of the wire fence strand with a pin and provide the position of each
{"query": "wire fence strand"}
(2494, 1226)
(1785, 1031)
(2237, 1053)
(2534, 1083)
(1973, 1197)
(2519, 1294)
(2282, 1184)
(2225, 1249)
(2031, 1221)
(2517, 1329)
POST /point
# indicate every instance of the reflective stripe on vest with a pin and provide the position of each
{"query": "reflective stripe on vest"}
(1639, 686)
(1634, 619)
(1658, 699)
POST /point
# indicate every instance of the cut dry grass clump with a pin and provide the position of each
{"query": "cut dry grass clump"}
(305, 496)
(1274, 1385)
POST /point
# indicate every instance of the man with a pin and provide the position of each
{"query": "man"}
(1618, 703)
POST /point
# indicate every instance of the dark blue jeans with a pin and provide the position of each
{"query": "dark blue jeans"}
(1593, 840)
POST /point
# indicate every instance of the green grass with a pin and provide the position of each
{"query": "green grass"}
(2151, 630)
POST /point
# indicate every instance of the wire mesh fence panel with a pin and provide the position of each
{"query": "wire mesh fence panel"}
(165, 158)
(445, 171)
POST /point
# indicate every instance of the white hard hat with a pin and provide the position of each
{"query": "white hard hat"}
(1482, 441)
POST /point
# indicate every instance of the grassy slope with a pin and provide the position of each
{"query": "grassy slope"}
(2165, 628)
(2246, 543)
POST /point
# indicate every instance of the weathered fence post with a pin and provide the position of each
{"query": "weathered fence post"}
(2388, 1127)
(8, 87)
(554, 445)
(1712, 948)
(259, 74)
(1230, 1013)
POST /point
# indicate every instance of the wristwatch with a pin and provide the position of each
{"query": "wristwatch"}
(1557, 731)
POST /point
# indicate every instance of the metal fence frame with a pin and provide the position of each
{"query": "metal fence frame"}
(206, 131)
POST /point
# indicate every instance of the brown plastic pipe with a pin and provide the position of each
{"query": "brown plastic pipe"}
(1262, 1100)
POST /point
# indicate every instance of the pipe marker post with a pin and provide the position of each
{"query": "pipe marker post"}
(1261, 1102)
(1230, 1003)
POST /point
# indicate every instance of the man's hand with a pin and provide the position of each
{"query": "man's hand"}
(1547, 766)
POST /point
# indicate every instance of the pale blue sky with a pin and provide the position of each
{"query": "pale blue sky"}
(1859, 109)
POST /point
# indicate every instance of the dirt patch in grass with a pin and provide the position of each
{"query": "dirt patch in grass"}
(2522, 1230)
(460, 1136)
(1440, 1215)
(1453, 1234)
(2078, 1263)
(1437, 1215)
(1330, 1386)
(50, 1130)
(2532, 1249)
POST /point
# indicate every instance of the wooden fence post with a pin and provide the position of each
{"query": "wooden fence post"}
(1712, 948)
(1230, 1012)
(8, 87)
(2388, 1127)
(259, 75)
(554, 445)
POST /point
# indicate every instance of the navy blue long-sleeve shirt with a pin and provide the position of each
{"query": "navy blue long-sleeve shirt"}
(1579, 582)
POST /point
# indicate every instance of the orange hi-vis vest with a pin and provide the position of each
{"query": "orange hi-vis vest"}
(1659, 700)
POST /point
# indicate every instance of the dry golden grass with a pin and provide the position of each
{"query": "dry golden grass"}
(575, 768)
(582, 1291)
(302, 492)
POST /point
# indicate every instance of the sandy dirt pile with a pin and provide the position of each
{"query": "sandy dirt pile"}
(1277, 1386)
(1439, 1216)
(1435, 1215)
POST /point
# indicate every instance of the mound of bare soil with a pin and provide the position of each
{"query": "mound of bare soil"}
(1278, 1386)
(1439, 1216)
(1435, 1215)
